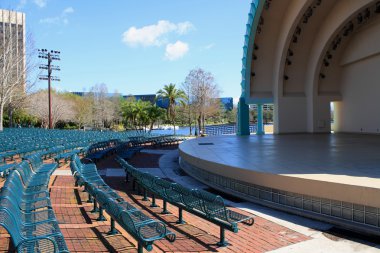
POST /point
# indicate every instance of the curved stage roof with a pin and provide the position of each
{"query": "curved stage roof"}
(340, 170)
(303, 55)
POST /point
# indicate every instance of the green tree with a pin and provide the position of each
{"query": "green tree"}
(141, 113)
(128, 112)
(173, 95)
(137, 114)
(155, 113)
(22, 117)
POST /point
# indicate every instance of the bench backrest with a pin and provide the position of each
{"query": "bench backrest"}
(35, 160)
(11, 181)
(113, 208)
(163, 186)
(14, 183)
(24, 171)
(213, 205)
(77, 161)
(8, 221)
(147, 179)
(73, 167)
(188, 198)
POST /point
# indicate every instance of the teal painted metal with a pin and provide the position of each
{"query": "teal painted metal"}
(260, 124)
(243, 118)
(198, 202)
(141, 227)
(249, 38)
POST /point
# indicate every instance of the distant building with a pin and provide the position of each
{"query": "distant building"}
(149, 97)
(228, 103)
(12, 30)
(86, 93)
(162, 102)
(152, 98)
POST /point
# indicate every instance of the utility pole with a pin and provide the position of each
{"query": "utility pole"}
(50, 56)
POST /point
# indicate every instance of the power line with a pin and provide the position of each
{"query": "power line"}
(51, 56)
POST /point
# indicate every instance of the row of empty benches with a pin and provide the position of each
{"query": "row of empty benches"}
(201, 203)
(144, 229)
(26, 211)
(25, 206)
(27, 215)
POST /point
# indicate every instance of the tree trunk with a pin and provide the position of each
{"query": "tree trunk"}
(190, 120)
(199, 124)
(1, 117)
(10, 116)
(203, 124)
(174, 126)
(151, 127)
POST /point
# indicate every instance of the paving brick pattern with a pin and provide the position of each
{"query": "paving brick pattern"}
(84, 234)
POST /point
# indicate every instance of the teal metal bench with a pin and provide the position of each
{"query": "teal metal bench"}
(32, 237)
(38, 165)
(144, 229)
(30, 178)
(206, 205)
(26, 198)
(66, 156)
(28, 217)
(6, 168)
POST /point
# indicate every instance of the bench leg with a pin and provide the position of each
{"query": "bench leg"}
(165, 208)
(180, 216)
(134, 184)
(145, 198)
(140, 248)
(126, 177)
(222, 242)
(101, 216)
(89, 198)
(95, 208)
(153, 201)
(138, 189)
(113, 230)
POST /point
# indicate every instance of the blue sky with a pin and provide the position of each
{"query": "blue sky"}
(137, 46)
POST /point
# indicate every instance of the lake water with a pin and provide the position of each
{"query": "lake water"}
(179, 131)
(210, 130)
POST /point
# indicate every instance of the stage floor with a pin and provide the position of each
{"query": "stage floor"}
(344, 167)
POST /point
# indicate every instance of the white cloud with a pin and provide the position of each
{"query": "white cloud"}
(154, 35)
(176, 51)
(63, 18)
(209, 46)
(185, 27)
(21, 4)
(40, 3)
(68, 10)
(52, 20)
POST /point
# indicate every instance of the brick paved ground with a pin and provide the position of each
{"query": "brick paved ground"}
(84, 234)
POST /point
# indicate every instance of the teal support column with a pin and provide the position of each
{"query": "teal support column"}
(260, 124)
(243, 118)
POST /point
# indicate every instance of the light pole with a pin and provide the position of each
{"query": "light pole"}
(50, 56)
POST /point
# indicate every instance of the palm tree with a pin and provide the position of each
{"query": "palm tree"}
(154, 114)
(173, 95)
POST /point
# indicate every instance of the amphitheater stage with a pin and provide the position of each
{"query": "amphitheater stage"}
(331, 177)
